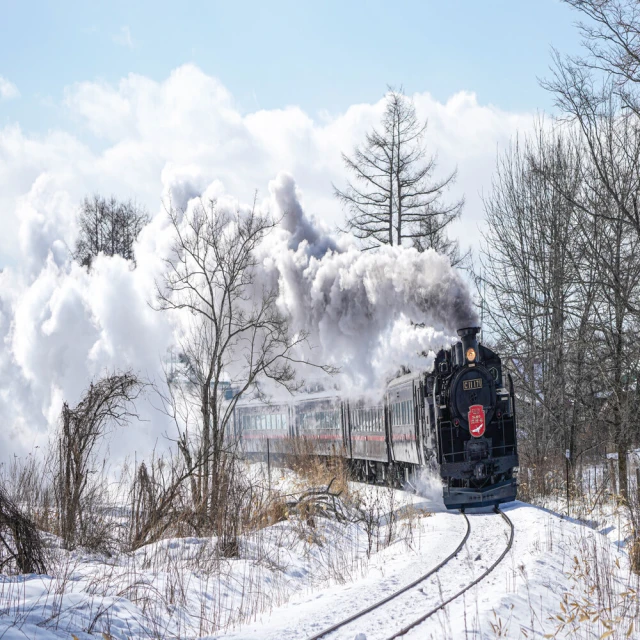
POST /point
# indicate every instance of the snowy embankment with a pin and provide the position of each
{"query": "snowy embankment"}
(291, 581)
(540, 584)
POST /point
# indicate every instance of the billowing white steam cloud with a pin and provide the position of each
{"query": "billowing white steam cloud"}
(61, 325)
(369, 313)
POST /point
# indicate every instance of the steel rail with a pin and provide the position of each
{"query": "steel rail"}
(395, 594)
(427, 615)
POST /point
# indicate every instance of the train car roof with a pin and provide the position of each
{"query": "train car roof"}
(297, 399)
(406, 378)
(255, 402)
(318, 395)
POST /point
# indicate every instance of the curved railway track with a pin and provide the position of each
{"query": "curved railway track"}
(481, 577)
(432, 572)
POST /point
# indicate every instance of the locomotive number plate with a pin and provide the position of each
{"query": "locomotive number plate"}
(469, 385)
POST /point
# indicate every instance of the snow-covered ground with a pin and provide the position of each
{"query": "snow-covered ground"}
(521, 598)
(291, 582)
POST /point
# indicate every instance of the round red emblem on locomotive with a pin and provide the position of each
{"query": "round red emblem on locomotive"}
(476, 420)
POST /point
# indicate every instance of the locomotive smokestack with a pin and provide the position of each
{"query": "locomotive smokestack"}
(468, 335)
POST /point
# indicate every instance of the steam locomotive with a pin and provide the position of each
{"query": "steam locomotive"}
(458, 419)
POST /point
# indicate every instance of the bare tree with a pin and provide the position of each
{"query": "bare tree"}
(234, 336)
(20, 541)
(108, 226)
(561, 264)
(610, 243)
(529, 281)
(561, 269)
(598, 96)
(393, 196)
(160, 501)
(611, 36)
(106, 402)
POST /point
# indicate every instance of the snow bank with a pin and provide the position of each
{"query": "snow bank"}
(181, 588)
(521, 598)
(284, 588)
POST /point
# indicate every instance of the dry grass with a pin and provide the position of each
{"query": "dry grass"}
(603, 599)
(329, 521)
(313, 470)
(634, 555)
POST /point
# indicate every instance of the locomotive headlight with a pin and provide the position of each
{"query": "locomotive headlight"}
(471, 354)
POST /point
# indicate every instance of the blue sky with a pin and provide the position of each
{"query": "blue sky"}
(322, 56)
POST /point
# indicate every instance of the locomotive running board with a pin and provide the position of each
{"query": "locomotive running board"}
(460, 498)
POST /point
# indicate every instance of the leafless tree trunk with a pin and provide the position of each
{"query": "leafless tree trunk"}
(530, 281)
(613, 248)
(234, 337)
(604, 112)
(561, 267)
(107, 402)
(561, 264)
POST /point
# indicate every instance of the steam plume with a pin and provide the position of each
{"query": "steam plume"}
(368, 312)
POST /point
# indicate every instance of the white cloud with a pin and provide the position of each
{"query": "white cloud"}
(174, 139)
(190, 119)
(123, 37)
(8, 90)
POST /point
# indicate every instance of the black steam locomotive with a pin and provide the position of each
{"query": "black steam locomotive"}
(459, 419)
(472, 413)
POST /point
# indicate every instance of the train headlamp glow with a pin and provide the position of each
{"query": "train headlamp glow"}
(471, 355)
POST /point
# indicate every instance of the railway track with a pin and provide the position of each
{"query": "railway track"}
(482, 576)
(415, 589)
